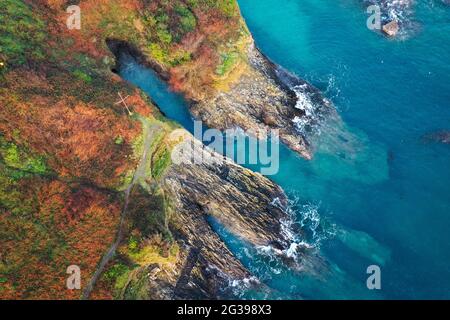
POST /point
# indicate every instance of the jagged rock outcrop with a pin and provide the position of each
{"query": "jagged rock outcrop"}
(201, 184)
(266, 97)
(391, 28)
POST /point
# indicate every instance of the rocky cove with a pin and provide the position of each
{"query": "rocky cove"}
(247, 204)
(357, 242)
(263, 96)
(142, 225)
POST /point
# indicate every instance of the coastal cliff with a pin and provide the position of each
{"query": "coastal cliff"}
(86, 168)
(204, 50)
(267, 97)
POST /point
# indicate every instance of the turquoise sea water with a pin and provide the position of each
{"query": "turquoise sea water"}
(379, 195)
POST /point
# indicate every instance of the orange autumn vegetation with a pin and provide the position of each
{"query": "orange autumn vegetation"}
(61, 110)
(69, 225)
(195, 78)
(78, 137)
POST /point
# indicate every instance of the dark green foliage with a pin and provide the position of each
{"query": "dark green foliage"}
(22, 35)
(148, 213)
(116, 271)
(187, 19)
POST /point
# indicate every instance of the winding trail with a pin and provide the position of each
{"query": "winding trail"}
(149, 131)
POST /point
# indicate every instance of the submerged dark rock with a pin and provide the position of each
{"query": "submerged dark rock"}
(439, 137)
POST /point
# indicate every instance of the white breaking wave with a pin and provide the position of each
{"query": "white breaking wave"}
(312, 111)
(308, 123)
(301, 229)
(303, 101)
(242, 284)
(300, 123)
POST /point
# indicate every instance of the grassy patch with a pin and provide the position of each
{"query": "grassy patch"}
(158, 53)
(82, 76)
(138, 146)
(228, 61)
(161, 162)
(16, 158)
(154, 254)
(116, 271)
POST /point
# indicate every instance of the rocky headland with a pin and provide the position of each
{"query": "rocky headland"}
(88, 180)
(229, 83)
(242, 201)
(263, 98)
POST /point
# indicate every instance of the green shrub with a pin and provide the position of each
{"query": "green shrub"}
(133, 244)
(164, 36)
(119, 140)
(158, 53)
(161, 163)
(116, 271)
(82, 76)
(188, 22)
(192, 3)
(162, 19)
(149, 20)
(179, 57)
(228, 7)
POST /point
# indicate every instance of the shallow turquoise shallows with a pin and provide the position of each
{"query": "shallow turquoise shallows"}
(380, 194)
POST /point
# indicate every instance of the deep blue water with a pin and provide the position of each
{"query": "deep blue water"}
(381, 195)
